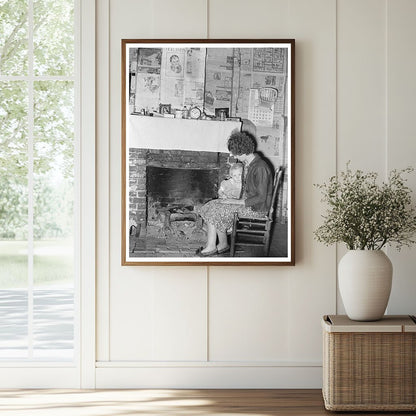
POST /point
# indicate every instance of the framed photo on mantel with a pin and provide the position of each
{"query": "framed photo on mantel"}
(208, 133)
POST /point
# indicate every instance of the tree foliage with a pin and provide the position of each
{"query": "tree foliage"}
(13, 37)
(52, 144)
(53, 37)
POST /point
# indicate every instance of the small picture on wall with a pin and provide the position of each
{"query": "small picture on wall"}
(165, 108)
(222, 113)
(216, 188)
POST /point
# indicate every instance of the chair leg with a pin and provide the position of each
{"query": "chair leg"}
(232, 246)
(233, 236)
(132, 244)
(266, 248)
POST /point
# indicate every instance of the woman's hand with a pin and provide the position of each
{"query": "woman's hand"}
(221, 194)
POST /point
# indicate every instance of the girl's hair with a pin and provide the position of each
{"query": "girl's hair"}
(241, 143)
(236, 167)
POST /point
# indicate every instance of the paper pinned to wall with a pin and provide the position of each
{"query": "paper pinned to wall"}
(276, 81)
(260, 112)
(147, 91)
(212, 78)
(218, 84)
(194, 77)
(173, 61)
(183, 72)
(172, 92)
(269, 60)
(148, 78)
(195, 64)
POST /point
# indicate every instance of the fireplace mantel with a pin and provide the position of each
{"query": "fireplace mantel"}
(179, 134)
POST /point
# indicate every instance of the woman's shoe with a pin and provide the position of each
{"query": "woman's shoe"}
(199, 252)
(224, 250)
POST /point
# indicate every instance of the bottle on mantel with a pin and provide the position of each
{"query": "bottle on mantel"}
(185, 112)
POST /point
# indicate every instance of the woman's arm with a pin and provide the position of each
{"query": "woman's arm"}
(258, 190)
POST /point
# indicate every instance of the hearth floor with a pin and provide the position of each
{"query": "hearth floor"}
(172, 246)
(165, 247)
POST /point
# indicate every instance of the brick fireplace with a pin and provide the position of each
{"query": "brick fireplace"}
(162, 182)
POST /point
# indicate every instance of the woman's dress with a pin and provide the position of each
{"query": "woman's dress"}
(257, 195)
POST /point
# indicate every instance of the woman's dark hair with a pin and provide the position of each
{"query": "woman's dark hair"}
(241, 143)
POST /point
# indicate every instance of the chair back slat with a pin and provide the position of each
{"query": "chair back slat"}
(276, 186)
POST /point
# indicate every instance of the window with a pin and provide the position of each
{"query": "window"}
(38, 185)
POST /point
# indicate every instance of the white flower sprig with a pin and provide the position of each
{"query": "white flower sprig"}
(365, 215)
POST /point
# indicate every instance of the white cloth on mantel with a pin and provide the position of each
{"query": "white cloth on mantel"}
(146, 132)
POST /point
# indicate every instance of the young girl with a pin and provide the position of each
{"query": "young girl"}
(231, 188)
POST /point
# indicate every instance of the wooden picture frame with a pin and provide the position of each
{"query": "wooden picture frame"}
(174, 169)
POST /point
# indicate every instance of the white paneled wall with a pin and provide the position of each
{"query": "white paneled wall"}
(248, 316)
(163, 316)
(361, 84)
(401, 132)
(254, 326)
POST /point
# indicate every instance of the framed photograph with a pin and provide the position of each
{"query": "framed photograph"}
(222, 113)
(165, 108)
(217, 189)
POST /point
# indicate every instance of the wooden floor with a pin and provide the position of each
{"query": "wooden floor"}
(165, 402)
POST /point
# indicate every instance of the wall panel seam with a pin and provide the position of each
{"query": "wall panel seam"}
(336, 142)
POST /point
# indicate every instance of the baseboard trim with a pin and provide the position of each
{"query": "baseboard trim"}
(210, 377)
(204, 364)
(39, 378)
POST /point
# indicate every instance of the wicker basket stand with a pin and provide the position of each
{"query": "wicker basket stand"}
(369, 366)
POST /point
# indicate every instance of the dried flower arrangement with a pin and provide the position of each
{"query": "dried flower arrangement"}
(366, 215)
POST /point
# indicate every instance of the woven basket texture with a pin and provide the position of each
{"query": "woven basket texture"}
(369, 371)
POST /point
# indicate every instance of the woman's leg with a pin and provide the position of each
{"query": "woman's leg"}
(211, 239)
(222, 240)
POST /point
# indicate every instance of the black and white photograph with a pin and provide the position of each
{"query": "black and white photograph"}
(208, 152)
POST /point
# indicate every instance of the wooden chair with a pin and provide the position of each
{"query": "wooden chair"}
(256, 232)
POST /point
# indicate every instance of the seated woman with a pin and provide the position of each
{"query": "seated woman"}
(218, 214)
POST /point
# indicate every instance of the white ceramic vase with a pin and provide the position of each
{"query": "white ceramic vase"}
(364, 278)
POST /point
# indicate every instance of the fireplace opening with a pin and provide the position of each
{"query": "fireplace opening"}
(168, 185)
(174, 196)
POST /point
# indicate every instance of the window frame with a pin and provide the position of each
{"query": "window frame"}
(81, 371)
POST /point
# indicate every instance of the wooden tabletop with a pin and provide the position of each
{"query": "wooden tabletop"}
(389, 323)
